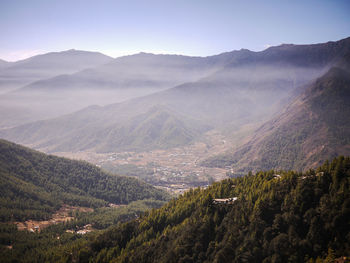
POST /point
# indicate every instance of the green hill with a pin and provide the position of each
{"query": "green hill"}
(158, 128)
(102, 130)
(33, 185)
(275, 217)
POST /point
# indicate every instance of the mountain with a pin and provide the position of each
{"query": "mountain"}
(102, 130)
(251, 85)
(266, 217)
(143, 70)
(249, 88)
(120, 79)
(315, 55)
(48, 65)
(263, 79)
(33, 185)
(159, 128)
(278, 69)
(4, 64)
(313, 128)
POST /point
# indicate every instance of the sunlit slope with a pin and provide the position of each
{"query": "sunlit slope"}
(275, 217)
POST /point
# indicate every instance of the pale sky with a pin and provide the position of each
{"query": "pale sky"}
(188, 27)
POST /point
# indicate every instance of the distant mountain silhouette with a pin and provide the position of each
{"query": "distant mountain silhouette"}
(48, 65)
(246, 88)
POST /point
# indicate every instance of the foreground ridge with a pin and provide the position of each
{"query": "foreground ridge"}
(277, 217)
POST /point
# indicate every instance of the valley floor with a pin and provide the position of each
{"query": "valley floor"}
(175, 170)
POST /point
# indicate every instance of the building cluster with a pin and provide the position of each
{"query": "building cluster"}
(227, 201)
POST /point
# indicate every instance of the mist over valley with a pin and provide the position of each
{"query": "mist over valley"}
(175, 100)
(174, 132)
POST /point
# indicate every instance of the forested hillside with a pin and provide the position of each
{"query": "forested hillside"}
(33, 185)
(157, 128)
(277, 217)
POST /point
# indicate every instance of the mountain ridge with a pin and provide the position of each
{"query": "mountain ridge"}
(227, 99)
(86, 130)
(272, 216)
(119, 80)
(25, 71)
(34, 185)
(319, 116)
(69, 52)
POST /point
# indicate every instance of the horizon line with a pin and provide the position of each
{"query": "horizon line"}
(27, 54)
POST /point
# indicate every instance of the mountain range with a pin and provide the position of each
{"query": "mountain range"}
(19, 73)
(285, 110)
(114, 81)
(231, 90)
(17, 109)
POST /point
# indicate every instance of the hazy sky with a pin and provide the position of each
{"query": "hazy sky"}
(190, 27)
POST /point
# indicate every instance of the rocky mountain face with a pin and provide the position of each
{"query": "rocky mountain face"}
(311, 129)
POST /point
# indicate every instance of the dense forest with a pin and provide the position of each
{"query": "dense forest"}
(33, 185)
(277, 217)
(27, 246)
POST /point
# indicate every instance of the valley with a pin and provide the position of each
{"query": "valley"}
(154, 142)
(174, 170)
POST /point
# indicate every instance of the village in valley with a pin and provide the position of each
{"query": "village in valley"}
(64, 214)
(174, 170)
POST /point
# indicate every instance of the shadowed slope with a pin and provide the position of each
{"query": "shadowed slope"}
(313, 128)
(33, 184)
